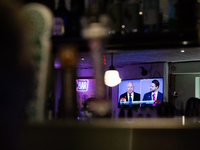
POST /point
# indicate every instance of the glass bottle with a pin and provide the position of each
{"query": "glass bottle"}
(115, 13)
(172, 14)
(77, 11)
(61, 20)
(68, 103)
(131, 16)
(151, 15)
(186, 15)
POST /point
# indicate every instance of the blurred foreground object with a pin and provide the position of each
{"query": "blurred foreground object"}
(67, 103)
(40, 24)
(16, 74)
(96, 30)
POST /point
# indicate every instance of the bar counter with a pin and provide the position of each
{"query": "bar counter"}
(112, 134)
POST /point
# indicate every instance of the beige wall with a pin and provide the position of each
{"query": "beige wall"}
(185, 74)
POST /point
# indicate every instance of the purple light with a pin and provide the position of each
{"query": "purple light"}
(56, 63)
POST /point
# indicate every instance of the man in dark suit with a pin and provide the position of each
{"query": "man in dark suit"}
(154, 94)
(130, 95)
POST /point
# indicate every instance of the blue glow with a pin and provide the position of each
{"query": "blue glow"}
(82, 85)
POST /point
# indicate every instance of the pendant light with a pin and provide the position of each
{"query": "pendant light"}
(111, 77)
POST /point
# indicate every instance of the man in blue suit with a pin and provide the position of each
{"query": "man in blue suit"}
(154, 94)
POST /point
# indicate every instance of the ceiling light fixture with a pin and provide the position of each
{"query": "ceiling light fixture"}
(182, 51)
(185, 42)
(111, 77)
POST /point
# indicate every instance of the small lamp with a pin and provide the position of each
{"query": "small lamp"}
(111, 77)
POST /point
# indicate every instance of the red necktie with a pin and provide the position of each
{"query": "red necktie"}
(154, 99)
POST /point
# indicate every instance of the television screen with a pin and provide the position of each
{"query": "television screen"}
(144, 92)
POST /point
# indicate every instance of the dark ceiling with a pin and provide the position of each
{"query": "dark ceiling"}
(122, 58)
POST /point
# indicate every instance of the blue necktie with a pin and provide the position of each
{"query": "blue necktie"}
(130, 100)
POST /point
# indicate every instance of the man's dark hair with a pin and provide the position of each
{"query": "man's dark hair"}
(156, 82)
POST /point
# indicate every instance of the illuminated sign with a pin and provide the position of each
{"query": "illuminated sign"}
(82, 85)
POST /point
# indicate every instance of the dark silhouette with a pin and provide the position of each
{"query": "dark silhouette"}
(192, 108)
(166, 109)
(16, 73)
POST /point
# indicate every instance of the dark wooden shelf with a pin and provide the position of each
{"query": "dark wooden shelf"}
(78, 41)
(137, 41)
(153, 41)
